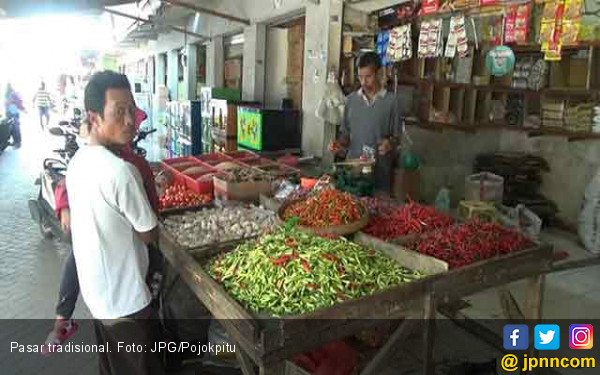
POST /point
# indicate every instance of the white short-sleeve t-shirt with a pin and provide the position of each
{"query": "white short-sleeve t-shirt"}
(108, 205)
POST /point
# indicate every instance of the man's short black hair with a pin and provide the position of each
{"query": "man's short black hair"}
(369, 59)
(95, 91)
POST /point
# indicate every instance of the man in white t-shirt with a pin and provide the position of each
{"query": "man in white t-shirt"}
(111, 224)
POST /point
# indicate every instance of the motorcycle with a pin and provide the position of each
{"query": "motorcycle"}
(6, 125)
(42, 208)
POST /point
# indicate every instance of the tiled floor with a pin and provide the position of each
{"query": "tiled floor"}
(30, 265)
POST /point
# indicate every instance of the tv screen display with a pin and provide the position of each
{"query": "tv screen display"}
(249, 128)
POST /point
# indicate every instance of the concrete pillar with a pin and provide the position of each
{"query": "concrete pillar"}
(161, 67)
(253, 77)
(334, 50)
(173, 73)
(190, 72)
(321, 54)
(215, 59)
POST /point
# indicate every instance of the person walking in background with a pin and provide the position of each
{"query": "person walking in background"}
(13, 106)
(43, 102)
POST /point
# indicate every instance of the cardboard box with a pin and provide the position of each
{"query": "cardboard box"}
(241, 191)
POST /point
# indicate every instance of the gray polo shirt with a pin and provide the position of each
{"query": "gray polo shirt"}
(368, 122)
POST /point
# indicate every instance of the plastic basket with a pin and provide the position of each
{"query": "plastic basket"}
(193, 180)
(213, 159)
(180, 164)
(241, 155)
(484, 186)
(257, 162)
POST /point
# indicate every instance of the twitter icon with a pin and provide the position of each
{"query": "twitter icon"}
(547, 337)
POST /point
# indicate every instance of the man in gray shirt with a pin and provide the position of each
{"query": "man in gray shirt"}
(370, 119)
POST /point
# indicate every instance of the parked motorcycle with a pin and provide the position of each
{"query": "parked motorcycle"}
(42, 208)
(5, 132)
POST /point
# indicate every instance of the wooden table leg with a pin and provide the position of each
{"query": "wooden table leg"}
(273, 368)
(429, 311)
(534, 299)
(510, 307)
(245, 362)
(399, 334)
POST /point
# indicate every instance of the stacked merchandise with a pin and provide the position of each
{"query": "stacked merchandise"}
(522, 175)
(538, 76)
(514, 109)
(532, 122)
(596, 123)
(400, 44)
(522, 72)
(382, 45)
(578, 116)
(457, 38)
(516, 24)
(553, 112)
(431, 42)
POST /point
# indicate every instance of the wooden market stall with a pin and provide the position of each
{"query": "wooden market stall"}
(268, 342)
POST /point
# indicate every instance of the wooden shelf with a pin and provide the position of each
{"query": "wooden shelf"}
(536, 48)
(497, 88)
(531, 132)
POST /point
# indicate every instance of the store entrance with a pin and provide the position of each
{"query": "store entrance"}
(285, 64)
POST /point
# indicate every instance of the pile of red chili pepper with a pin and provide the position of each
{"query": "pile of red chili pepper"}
(178, 196)
(412, 218)
(470, 242)
(327, 208)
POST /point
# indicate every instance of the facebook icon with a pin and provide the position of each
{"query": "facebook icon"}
(516, 337)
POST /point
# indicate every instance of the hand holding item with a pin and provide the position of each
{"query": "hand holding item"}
(385, 146)
(337, 149)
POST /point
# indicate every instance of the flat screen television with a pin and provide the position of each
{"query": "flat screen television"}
(250, 128)
(261, 129)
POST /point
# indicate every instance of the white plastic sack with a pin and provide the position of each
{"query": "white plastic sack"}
(589, 217)
(331, 106)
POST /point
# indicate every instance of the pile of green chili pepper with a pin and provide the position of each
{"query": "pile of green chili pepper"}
(293, 272)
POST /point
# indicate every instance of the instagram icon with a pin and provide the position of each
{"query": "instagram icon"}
(581, 336)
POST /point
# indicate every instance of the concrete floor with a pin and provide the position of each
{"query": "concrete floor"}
(30, 266)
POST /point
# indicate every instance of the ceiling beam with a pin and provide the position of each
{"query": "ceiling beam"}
(199, 9)
(174, 28)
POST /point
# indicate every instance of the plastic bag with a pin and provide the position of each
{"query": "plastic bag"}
(331, 106)
(284, 190)
(520, 218)
(442, 201)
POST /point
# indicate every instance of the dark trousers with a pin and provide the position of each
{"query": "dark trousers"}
(44, 114)
(15, 131)
(69, 283)
(384, 169)
(130, 343)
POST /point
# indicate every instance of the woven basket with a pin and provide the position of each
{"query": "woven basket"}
(340, 230)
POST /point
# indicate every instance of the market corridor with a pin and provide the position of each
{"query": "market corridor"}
(30, 265)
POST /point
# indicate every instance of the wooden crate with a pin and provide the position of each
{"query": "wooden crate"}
(242, 191)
